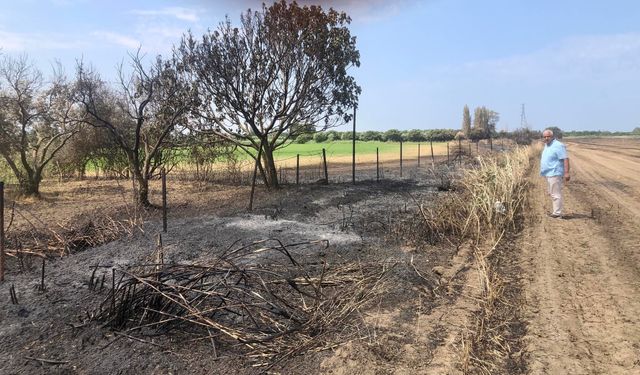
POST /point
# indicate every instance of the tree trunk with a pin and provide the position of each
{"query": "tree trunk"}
(270, 166)
(143, 189)
(30, 186)
(139, 178)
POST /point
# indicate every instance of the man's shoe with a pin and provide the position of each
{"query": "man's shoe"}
(555, 216)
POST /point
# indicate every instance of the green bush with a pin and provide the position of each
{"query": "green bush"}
(320, 137)
(304, 138)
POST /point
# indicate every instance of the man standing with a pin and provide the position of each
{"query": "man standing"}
(554, 167)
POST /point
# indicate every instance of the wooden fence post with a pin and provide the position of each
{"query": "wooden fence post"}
(431, 144)
(1, 231)
(298, 169)
(353, 162)
(42, 287)
(400, 158)
(448, 153)
(164, 199)
(377, 165)
(418, 154)
(490, 144)
(324, 161)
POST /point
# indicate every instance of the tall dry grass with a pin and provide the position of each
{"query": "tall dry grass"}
(485, 202)
(494, 198)
(486, 205)
(493, 194)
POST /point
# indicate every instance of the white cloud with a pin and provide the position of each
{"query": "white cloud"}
(594, 57)
(159, 40)
(118, 39)
(183, 14)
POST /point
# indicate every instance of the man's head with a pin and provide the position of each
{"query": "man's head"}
(547, 136)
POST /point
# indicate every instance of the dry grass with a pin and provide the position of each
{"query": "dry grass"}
(485, 205)
(37, 237)
(258, 298)
(496, 193)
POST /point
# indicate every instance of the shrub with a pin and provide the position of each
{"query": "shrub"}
(304, 138)
(320, 137)
(392, 135)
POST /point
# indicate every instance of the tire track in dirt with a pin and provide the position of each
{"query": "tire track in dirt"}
(582, 283)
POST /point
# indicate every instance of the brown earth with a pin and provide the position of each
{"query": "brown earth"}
(582, 273)
(573, 283)
(408, 327)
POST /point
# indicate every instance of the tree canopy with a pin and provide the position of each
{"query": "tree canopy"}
(284, 65)
(36, 120)
(484, 123)
(466, 121)
(140, 115)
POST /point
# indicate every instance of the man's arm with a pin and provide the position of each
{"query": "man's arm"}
(567, 171)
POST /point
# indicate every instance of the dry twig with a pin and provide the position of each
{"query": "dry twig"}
(259, 296)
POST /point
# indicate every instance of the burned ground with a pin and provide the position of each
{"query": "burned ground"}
(55, 330)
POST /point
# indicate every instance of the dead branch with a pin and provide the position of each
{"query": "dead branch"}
(260, 297)
(47, 361)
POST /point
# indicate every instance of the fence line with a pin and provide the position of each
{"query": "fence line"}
(308, 170)
(320, 172)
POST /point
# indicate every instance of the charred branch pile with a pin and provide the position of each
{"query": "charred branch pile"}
(44, 240)
(257, 297)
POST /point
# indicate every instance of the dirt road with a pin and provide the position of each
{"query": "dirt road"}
(582, 273)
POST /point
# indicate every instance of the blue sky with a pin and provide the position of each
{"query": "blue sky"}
(574, 64)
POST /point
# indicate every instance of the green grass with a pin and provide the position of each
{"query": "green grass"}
(344, 148)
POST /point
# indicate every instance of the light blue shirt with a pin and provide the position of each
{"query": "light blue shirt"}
(552, 160)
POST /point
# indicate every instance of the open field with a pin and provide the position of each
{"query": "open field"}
(339, 159)
(339, 154)
(581, 275)
(365, 149)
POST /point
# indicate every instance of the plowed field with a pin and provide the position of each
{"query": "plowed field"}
(582, 283)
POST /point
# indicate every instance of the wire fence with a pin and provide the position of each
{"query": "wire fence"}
(327, 166)
(333, 166)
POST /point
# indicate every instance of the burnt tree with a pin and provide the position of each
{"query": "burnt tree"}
(282, 72)
(141, 114)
